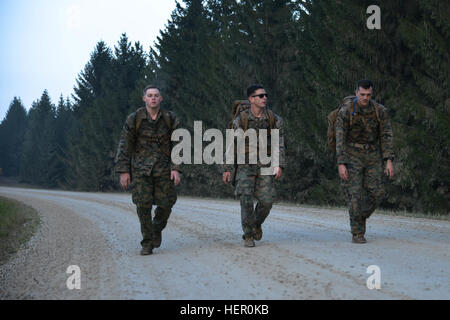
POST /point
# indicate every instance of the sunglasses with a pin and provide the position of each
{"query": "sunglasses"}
(262, 95)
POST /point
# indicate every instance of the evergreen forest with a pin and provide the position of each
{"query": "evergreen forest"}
(308, 54)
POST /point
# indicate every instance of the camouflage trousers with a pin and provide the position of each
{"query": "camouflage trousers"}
(251, 184)
(364, 189)
(148, 191)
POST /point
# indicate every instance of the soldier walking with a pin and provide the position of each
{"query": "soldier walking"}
(144, 162)
(250, 183)
(364, 140)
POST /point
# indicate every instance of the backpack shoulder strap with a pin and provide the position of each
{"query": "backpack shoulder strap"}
(164, 113)
(271, 117)
(353, 111)
(244, 120)
(348, 102)
(167, 119)
(376, 106)
(377, 111)
(139, 116)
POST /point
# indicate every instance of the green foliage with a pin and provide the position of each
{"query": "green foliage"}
(12, 131)
(308, 54)
(38, 149)
(118, 93)
(18, 222)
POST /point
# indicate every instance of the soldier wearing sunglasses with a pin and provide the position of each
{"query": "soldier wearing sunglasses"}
(250, 183)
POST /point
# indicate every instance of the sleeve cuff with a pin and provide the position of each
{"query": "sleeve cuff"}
(123, 169)
(227, 169)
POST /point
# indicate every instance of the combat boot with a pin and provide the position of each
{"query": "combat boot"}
(258, 233)
(157, 238)
(248, 242)
(146, 250)
(359, 238)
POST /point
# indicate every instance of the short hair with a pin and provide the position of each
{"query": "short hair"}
(150, 86)
(364, 83)
(251, 89)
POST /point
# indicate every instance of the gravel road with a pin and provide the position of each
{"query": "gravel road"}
(305, 253)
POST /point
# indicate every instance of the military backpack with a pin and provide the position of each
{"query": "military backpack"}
(350, 102)
(165, 115)
(159, 139)
(238, 108)
(242, 108)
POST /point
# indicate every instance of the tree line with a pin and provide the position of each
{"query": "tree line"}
(308, 54)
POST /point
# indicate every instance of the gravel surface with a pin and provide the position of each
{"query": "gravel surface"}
(305, 253)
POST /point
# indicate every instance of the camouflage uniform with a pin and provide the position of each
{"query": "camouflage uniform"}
(362, 147)
(146, 156)
(249, 181)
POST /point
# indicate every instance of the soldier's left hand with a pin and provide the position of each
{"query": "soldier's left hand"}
(277, 172)
(175, 176)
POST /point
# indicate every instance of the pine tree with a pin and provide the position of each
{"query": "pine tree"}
(307, 54)
(58, 166)
(89, 84)
(184, 64)
(37, 149)
(12, 131)
(101, 124)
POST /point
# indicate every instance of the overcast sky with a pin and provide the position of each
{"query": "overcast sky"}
(46, 43)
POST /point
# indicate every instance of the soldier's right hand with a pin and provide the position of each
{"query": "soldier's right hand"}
(226, 177)
(343, 173)
(389, 169)
(125, 180)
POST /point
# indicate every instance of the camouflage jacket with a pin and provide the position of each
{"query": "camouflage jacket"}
(147, 151)
(257, 124)
(365, 131)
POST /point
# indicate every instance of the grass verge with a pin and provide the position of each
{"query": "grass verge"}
(18, 222)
